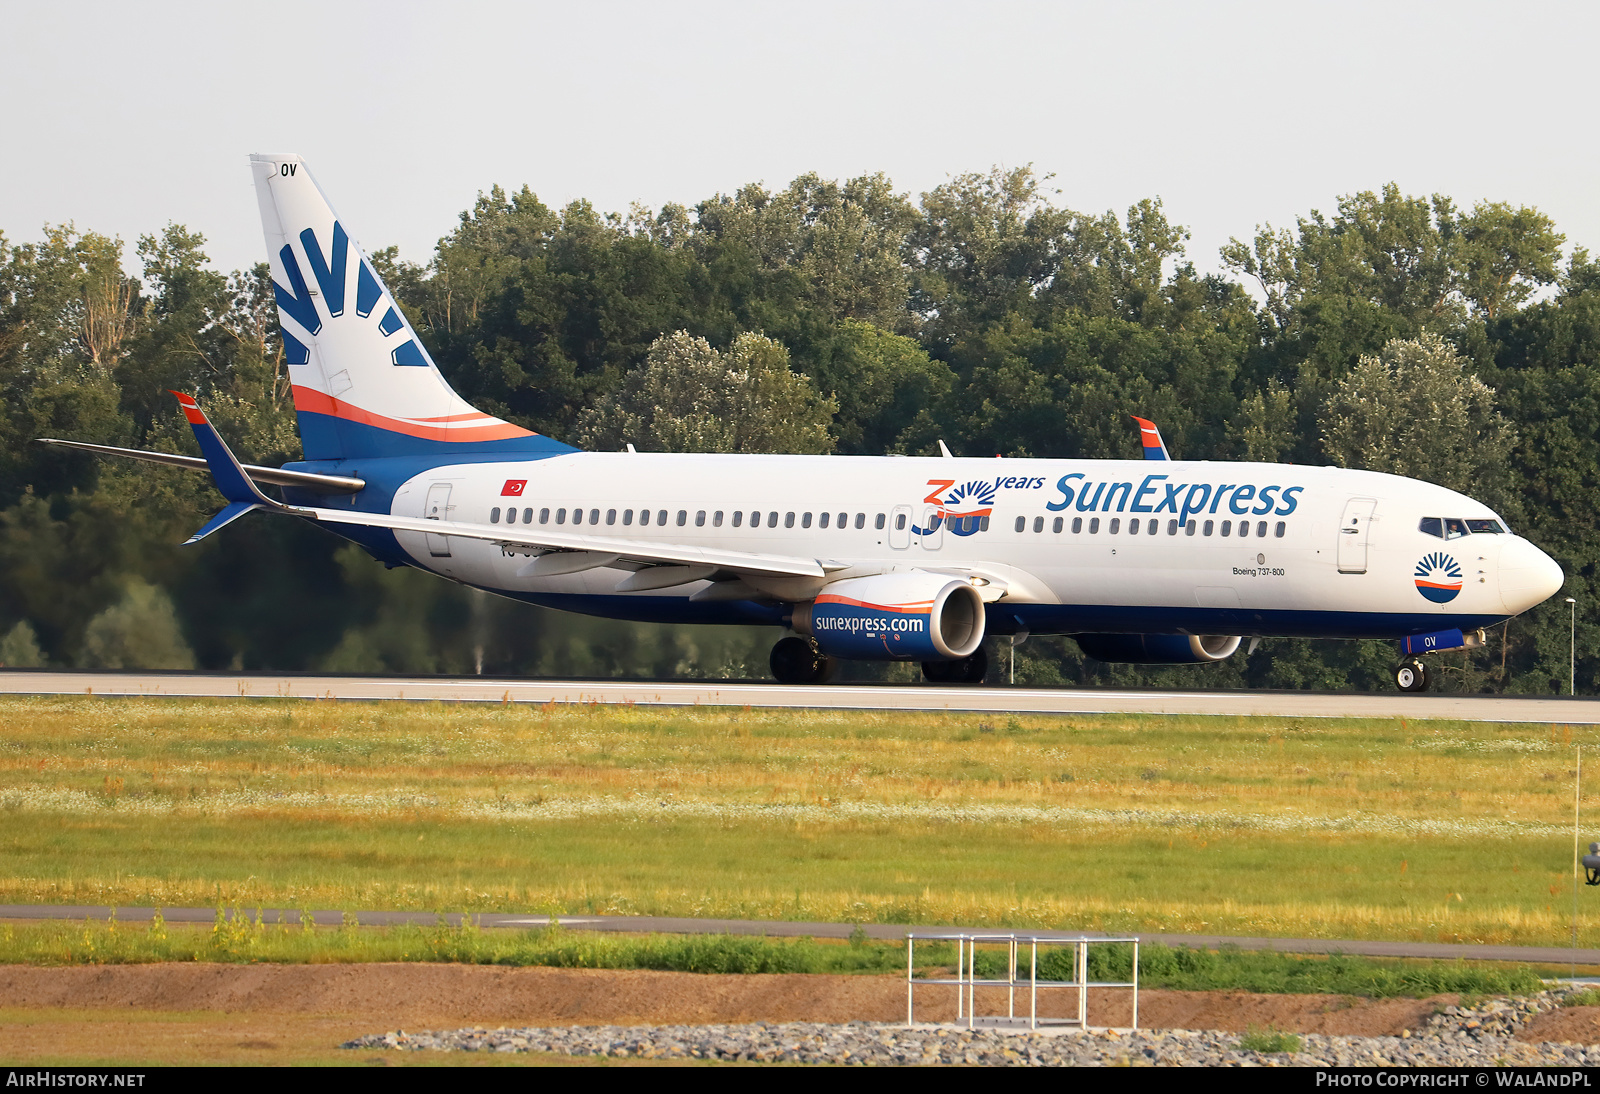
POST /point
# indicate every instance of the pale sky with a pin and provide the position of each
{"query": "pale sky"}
(122, 117)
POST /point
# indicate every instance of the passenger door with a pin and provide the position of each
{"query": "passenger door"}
(1354, 535)
(438, 508)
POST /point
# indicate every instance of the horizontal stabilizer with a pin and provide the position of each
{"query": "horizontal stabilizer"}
(272, 476)
(233, 512)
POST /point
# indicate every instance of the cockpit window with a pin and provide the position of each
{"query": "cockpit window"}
(1433, 526)
(1486, 526)
(1454, 528)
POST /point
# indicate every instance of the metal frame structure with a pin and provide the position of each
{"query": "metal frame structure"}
(966, 980)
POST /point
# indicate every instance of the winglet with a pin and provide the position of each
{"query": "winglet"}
(235, 485)
(1154, 447)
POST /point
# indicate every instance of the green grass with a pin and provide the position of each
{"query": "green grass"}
(1432, 831)
(238, 939)
(1269, 1040)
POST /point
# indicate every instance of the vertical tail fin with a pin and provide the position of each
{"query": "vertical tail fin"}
(364, 386)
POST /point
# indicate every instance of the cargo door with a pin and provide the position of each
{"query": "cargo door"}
(1354, 535)
(438, 508)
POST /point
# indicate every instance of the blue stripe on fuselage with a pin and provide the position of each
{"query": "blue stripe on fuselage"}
(324, 437)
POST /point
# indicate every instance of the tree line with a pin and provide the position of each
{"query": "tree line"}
(1396, 332)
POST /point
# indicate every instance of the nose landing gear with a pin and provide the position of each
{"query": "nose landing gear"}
(797, 660)
(1412, 675)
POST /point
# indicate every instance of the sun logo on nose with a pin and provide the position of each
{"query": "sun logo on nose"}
(1438, 578)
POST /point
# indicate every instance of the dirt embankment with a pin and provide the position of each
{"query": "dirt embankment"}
(377, 997)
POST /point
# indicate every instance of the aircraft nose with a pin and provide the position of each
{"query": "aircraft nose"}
(1528, 576)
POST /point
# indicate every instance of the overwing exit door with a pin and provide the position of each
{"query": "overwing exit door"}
(1354, 535)
(900, 527)
(438, 508)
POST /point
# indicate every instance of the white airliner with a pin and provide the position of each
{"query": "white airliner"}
(874, 558)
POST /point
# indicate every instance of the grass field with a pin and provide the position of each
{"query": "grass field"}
(1437, 831)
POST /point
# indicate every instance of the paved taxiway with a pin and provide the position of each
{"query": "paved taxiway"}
(773, 928)
(485, 689)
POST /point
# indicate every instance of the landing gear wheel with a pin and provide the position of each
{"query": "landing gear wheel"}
(967, 670)
(797, 660)
(1411, 675)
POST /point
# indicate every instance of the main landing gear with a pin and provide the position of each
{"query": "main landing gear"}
(797, 660)
(1412, 675)
(967, 670)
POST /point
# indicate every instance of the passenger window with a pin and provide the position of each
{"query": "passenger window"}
(1055, 525)
(1151, 528)
(577, 516)
(716, 519)
(1191, 526)
(738, 518)
(594, 516)
(1453, 528)
(561, 516)
(900, 522)
(1283, 526)
(611, 516)
(805, 520)
(1208, 528)
(1227, 528)
(1094, 526)
(544, 516)
(1077, 525)
(772, 520)
(861, 520)
(983, 524)
(822, 521)
(878, 524)
(1261, 529)
(661, 517)
(844, 520)
(699, 519)
(511, 516)
(1172, 527)
(1485, 526)
(1022, 522)
(494, 515)
(1432, 526)
(788, 520)
(644, 517)
(1038, 524)
(1116, 525)
(1244, 528)
(1133, 526)
(683, 517)
(627, 517)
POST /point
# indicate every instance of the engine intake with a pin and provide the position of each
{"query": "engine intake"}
(914, 616)
(1157, 649)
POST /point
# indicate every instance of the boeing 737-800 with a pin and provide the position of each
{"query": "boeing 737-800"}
(870, 558)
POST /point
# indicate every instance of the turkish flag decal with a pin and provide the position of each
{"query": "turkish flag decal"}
(513, 488)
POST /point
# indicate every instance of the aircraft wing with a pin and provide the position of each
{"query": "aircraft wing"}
(631, 550)
(684, 562)
(275, 476)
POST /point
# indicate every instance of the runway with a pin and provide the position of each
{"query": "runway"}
(995, 700)
(889, 932)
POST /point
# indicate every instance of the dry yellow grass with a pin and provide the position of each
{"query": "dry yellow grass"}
(1272, 826)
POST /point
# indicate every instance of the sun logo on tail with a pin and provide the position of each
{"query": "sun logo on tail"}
(1438, 578)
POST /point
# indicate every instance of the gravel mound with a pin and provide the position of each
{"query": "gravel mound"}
(1477, 1035)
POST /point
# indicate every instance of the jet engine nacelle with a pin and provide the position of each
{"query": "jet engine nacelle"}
(914, 616)
(1157, 649)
